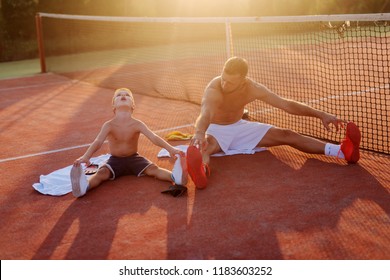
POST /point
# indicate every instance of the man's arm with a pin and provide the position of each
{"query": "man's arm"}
(203, 121)
(295, 107)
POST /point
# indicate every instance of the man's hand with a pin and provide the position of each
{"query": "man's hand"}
(199, 140)
(328, 119)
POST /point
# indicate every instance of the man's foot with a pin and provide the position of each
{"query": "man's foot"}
(350, 145)
(79, 181)
(245, 115)
(196, 168)
(179, 171)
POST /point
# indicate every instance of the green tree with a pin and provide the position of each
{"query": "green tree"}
(18, 18)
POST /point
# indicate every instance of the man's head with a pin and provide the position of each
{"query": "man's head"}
(123, 97)
(233, 74)
(236, 65)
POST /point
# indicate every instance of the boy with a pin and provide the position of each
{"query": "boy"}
(122, 133)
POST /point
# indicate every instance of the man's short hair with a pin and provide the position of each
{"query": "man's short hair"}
(236, 65)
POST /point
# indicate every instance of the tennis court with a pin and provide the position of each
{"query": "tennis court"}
(283, 205)
(275, 204)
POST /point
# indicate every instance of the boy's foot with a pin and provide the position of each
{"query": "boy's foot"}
(79, 181)
(196, 167)
(350, 145)
(179, 171)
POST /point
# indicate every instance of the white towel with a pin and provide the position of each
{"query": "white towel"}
(165, 153)
(58, 183)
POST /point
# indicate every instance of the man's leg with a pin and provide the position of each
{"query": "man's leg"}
(211, 148)
(348, 149)
(278, 136)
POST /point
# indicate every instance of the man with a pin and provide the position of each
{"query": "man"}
(220, 127)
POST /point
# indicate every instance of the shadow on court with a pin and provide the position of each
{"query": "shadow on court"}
(270, 211)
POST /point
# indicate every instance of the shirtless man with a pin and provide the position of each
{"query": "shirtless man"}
(122, 133)
(220, 127)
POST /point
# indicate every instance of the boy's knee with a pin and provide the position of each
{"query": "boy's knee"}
(151, 170)
(103, 173)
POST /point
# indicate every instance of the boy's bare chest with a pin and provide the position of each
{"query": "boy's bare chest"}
(123, 133)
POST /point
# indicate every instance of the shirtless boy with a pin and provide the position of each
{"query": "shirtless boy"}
(122, 133)
(220, 127)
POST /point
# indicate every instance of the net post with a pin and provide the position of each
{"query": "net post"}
(41, 49)
(229, 39)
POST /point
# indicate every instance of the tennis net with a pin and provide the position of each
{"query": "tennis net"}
(336, 63)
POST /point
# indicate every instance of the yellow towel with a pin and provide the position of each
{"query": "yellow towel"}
(177, 135)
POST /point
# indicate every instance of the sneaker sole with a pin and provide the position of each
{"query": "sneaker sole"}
(354, 135)
(75, 174)
(195, 167)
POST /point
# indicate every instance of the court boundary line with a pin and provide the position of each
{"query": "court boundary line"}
(79, 146)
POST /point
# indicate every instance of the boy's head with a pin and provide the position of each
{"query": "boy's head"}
(123, 97)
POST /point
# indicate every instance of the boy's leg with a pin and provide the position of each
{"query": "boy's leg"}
(158, 172)
(103, 174)
(80, 183)
(179, 170)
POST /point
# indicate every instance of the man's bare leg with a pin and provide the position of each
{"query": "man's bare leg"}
(278, 136)
(211, 148)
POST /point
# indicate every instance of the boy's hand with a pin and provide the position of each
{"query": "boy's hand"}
(81, 160)
(175, 151)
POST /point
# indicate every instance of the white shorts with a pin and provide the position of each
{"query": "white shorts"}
(240, 137)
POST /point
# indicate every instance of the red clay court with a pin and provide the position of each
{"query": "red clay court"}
(275, 204)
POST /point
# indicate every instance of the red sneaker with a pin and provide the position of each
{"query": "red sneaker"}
(350, 145)
(196, 167)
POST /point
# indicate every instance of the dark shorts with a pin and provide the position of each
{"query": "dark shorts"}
(131, 165)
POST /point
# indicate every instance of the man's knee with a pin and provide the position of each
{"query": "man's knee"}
(212, 146)
(277, 136)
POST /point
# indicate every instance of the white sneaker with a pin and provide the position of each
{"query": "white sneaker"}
(179, 171)
(79, 181)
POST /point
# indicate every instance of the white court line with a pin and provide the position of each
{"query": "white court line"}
(38, 85)
(80, 146)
